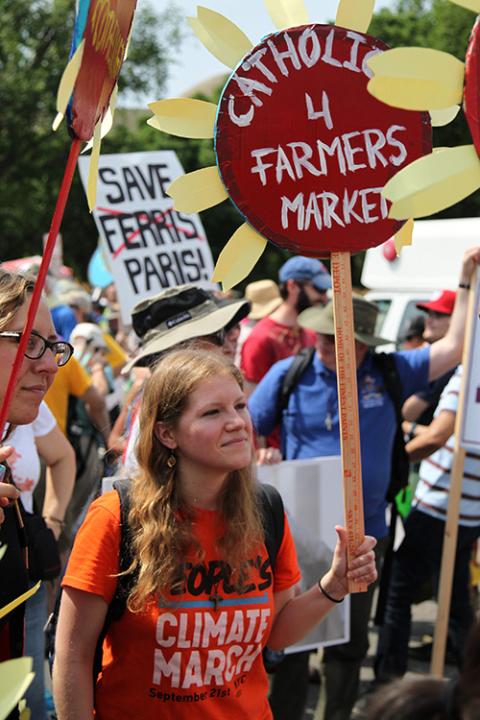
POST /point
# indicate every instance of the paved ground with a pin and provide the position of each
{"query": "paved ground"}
(422, 628)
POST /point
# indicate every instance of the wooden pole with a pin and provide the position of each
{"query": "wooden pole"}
(348, 405)
(454, 496)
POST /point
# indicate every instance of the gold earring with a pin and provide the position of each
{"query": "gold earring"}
(171, 461)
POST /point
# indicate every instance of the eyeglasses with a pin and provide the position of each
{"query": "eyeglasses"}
(37, 345)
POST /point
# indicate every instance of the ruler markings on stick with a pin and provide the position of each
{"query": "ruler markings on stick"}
(348, 404)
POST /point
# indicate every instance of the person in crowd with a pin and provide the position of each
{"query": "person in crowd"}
(414, 698)
(310, 428)
(264, 297)
(80, 303)
(41, 440)
(413, 336)
(432, 698)
(43, 355)
(177, 315)
(420, 554)
(71, 386)
(203, 599)
(303, 282)
(438, 311)
(91, 351)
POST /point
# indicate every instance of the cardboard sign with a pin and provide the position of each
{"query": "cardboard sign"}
(304, 150)
(312, 494)
(470, 433)
(148, 245)
(105, 26)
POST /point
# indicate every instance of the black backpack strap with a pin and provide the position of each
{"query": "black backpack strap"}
(273, 519)
(124, 582)
(300, 363)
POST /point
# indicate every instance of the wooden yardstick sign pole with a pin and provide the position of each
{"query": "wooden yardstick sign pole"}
(348, 404)
(304, 152)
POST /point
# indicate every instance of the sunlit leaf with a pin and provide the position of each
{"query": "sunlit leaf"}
(184, 117)
(404, 236)
(433, 182)
(93, 167)
(416, 78)
(439, 118)
(67, 83)
(355, 14)
(220, 36)
(239, 256)
(197, 190)
(287, 13)
(15, 677)
(469, 4)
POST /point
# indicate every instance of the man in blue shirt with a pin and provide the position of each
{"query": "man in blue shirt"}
(310, 428)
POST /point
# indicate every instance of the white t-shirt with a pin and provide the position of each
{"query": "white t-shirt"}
(25, 461)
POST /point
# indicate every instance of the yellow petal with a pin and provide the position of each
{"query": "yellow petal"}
(107, 121)
(197, 190)
(439, 118)
(433, 182)
(239, 256)
(220, 36)
(416, 78)
(15, 677)
(93, 168)
(355, 14)
(404, 236)
(67, 83)
(287, 13)
(18, 601)
(184, 117)
(3, 550)
(469, 4)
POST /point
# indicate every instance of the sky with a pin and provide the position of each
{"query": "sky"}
(195, 63)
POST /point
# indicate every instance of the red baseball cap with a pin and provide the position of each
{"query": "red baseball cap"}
(441, 301)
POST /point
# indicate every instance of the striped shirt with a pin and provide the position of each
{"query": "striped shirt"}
(431, 494)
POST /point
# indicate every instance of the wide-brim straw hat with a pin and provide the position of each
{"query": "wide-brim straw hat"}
(365, 313)
(264, 297)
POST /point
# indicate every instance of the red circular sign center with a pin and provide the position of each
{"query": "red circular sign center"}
(471, 103)
(304, 150)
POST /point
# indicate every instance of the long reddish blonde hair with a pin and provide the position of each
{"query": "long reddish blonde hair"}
(159, 519)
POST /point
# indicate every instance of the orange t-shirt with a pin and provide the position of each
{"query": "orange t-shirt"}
(183, 658)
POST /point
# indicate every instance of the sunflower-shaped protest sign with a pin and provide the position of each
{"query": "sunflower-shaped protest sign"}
(102, 29)
(303, 151)
(419, 79)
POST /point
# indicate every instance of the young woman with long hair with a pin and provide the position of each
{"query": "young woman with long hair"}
(205, 599)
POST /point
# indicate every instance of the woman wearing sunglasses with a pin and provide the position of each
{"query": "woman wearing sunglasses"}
(43, 355)
(204, 598)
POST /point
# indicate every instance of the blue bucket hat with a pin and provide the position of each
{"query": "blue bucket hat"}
(307, 270)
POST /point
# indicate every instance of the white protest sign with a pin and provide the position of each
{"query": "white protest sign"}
(470, 434)
(312, 494)
(148, 245)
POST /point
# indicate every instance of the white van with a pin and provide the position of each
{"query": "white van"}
(431, 263)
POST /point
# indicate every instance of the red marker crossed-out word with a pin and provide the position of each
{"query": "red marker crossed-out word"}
(159, 218)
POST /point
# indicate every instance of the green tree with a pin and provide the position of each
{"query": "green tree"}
(35, 37)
